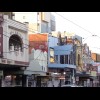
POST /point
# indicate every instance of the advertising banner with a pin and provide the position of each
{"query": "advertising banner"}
(39, 50)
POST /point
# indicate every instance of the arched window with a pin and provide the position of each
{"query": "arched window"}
(16, 42)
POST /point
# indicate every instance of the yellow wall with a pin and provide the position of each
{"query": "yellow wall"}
(79, 51)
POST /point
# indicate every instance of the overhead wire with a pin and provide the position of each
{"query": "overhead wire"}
(42, 34)
(74, 23)
(92, 34)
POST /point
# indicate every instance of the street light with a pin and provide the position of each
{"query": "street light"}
(64, 76)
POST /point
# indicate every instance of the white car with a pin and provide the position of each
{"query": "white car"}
(69, 85)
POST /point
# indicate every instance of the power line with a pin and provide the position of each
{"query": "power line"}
(28, 28)
(74, 23)
(87, 38)
(17, 41)
(32, 46)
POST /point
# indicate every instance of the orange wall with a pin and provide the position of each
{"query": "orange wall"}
(93, 55)
(37, 40)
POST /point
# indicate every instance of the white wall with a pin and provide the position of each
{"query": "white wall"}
(46, 16)
(23, 35)
(30, 17)
(37, 60)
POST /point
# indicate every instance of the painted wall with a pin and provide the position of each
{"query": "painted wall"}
(38, 51)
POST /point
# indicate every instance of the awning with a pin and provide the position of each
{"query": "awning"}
(28, 72)
(82, 75)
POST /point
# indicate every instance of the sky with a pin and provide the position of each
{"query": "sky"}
(87, 20)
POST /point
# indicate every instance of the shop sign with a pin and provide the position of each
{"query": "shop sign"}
(10, 62)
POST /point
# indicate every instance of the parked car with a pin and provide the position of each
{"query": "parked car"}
(69, 85)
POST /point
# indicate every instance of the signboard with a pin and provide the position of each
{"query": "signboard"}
(68, 69)
(39, 49)
(10, 62)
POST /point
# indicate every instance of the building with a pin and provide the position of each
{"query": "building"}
(86, 75)
(13, 51)
(82, 57)
(39, 22)
(63, 58)
(96, 58)
(40, 55)
(38, 59)
(10, 14)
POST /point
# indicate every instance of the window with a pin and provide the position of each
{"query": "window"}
(23, 17)
(17, 45)
(42, 67)
(62, 59)
(66, 59)
(52, 25)
(44, 27)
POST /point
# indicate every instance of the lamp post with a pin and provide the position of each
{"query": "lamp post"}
(64, 76)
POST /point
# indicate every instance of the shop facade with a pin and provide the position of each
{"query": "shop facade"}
(13, 55)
